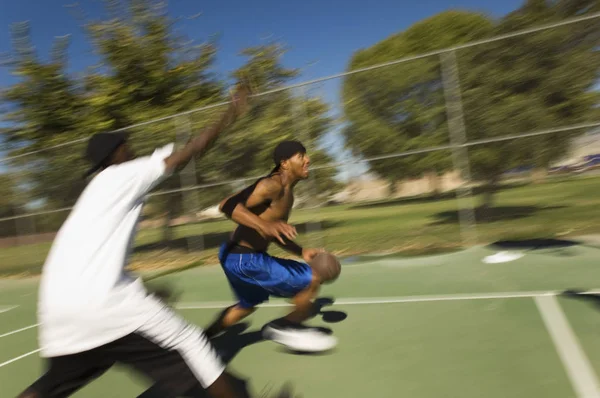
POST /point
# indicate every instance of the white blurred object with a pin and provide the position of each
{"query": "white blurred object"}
(502, 257)
(211, 212)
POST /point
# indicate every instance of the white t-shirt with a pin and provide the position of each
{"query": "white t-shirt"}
(86, 298)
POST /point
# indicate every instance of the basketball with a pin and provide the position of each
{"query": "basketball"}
(327, 266)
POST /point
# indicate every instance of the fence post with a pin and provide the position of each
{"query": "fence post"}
(301, 120)
(187, 178)
(24, 227)
(460, 156)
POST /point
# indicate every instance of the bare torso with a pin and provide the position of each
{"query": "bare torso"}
(277, 209)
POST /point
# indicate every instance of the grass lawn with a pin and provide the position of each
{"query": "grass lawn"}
(557, 208)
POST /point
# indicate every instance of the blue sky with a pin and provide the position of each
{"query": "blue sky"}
(321, 35)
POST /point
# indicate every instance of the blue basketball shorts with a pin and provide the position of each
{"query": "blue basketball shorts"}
(256, 276)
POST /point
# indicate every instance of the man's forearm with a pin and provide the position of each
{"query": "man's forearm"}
(199, 144)
(245, 217)
(242, 216)
(291, 247)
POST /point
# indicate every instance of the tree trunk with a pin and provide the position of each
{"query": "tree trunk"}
(167, 233)
(488, 196)
(434, 183)
(393, 188)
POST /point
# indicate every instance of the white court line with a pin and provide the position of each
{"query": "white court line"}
(6, 309)
(19, 330)
(357, 301)
(19, 357)
(390, 300)
(573, 357)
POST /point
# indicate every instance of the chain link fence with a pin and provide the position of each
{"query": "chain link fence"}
(433, 152)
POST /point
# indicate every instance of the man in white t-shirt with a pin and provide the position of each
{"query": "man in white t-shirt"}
(92, 313)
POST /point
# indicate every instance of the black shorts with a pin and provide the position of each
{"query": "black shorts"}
(175, 355)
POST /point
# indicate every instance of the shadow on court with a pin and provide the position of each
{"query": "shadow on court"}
(534, 244)
(547, 246)
(236, 338)
(591, 298)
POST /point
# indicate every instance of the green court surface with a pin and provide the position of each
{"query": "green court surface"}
(438, 326)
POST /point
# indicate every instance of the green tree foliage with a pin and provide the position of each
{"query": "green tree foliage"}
(401, 107)
(146, 71)
(530, 83)
(46, 109)
(247, 149)
(11, 202)
(522, 84)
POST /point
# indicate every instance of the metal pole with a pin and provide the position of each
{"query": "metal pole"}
(187, 177)
(311, 226)
(460, 156)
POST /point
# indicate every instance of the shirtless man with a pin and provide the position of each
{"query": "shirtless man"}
(262, 211)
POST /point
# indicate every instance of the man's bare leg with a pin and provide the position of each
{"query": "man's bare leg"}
(228, 386)
(228, 317)
(304, 302)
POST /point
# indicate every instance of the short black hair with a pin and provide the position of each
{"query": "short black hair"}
(285, 150)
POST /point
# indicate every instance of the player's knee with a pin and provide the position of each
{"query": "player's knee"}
(238, 311)
(235, 314)
(244, 309)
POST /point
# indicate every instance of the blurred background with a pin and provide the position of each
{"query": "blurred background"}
(431, 127)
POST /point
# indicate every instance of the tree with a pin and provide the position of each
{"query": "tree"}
(247, 149)
(146, 72)
(522, 84)
(11, 203)
(46, 109)
(529, 83)
(402, 108)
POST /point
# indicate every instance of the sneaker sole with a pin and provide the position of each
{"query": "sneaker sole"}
(324, 343)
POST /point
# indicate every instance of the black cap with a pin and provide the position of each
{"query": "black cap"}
(285, 150)
(100, 147)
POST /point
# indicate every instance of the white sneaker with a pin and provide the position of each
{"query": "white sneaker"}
(303, 339)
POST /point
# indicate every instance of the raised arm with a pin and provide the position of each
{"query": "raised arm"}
(198, 145)
(235, 207)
